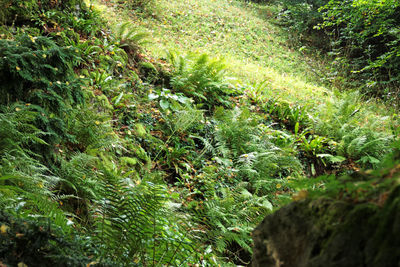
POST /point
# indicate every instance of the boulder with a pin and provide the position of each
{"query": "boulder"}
(328, 232)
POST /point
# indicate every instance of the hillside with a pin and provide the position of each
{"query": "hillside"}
(161, 133)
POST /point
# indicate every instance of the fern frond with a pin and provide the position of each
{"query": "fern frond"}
(134, 223)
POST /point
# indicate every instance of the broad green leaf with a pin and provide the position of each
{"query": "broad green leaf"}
(164, 104)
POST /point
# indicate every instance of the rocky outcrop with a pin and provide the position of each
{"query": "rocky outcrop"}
(330, 233)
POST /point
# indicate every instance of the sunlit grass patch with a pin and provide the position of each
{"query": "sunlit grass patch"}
(254, 48)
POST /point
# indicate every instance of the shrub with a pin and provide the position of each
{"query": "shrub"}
(39, 74)
(300, 17)
(50, 15)
(363, 39)
(367, 34)
(33, 242)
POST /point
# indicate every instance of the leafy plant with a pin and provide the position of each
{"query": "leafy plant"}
(168, 100)
(38, 241)
(238, 137)
(367, 34)
(300, 17)
(143, 6)
(200, 78)
(230, 217)
(354, 128)
(25, 183)
(130, 39)
(134, 226)
(38, 72)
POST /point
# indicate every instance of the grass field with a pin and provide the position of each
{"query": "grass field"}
(254, 49)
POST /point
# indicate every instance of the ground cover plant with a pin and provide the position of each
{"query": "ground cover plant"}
(121, 155)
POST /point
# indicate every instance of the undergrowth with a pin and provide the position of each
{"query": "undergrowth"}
(122, 159)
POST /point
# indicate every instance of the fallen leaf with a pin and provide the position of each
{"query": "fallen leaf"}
(3, 229)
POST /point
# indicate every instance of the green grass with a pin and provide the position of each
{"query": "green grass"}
(254, 49)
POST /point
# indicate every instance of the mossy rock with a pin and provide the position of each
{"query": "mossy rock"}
(330, 233)
(104, 102)
(140, 154)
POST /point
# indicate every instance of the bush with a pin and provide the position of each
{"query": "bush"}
(363, 39)
(367, 33)
(301, 17)
(39, 74)
(26, 242)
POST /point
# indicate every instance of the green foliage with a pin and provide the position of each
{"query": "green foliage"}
(134, 225)
(230, 217)
(200, 78)
(367, 34)
(30, 242)
(234, 189)
(130, 39)
(141, 6)
(354, 127)
(26, 185)
(38, 71)
(89, 157)
(301, 16)
(364, 39)
(240, 137)
(292, 115)
(40, 75)
(363, 186)
(90, 130)
(79, 179)
(169, 100)
(51, 15)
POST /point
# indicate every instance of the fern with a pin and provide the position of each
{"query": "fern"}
(357, 130)
(39, 74)
(135, 226)
(130, 39)
(230, 218)
(201, 78)
(252, 148)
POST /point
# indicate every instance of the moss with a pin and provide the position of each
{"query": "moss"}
(141, 154)
(128, 161)
(140, 131)
(103, 100)
(384, 246)
(326, 232)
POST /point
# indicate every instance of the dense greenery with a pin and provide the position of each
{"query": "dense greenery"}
(363, 39)
(122, 159)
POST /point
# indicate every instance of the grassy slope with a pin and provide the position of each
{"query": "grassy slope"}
(243, 35)
(254, 48)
